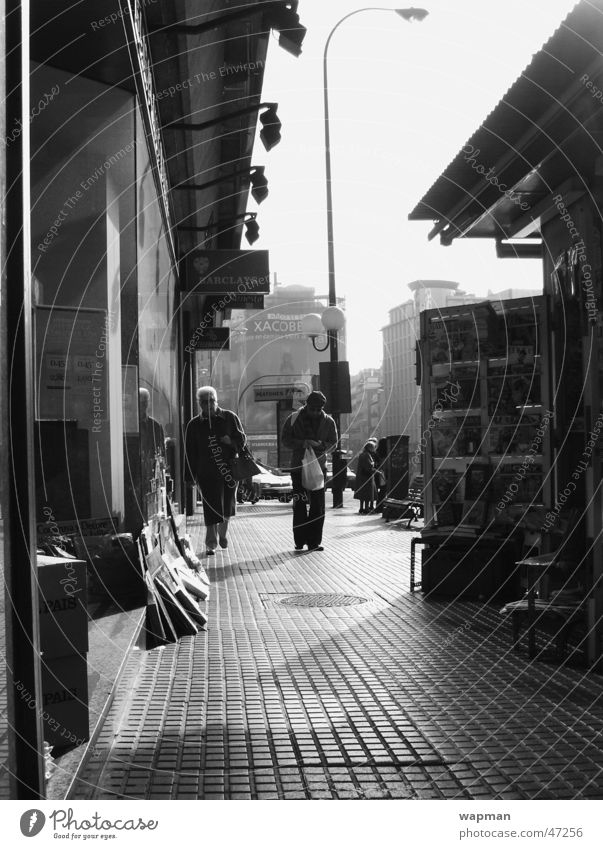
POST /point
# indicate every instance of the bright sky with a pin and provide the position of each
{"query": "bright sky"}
(404, 98)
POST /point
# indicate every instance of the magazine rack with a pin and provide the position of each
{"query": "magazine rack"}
(484, 422)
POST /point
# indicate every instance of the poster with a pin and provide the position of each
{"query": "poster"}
(72, 352)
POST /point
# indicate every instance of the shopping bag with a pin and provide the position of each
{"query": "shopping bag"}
(312, 476)
(243, 466)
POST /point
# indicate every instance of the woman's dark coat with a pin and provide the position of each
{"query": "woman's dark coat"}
(365, 482)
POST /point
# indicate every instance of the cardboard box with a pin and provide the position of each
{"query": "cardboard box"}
(65, 700)
(62, 606)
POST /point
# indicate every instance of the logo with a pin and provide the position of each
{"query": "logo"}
(32, 822)
(201, 264)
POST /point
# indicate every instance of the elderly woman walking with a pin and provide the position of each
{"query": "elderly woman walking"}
(366, 490)
(212, 440)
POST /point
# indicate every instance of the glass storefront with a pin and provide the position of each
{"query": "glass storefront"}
(83, 193)
(105, 289)
(157, 325)
(104, 327)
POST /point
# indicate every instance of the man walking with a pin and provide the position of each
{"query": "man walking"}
(212, 440)
(309, 427)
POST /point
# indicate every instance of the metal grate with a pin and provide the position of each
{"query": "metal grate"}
(321, 600)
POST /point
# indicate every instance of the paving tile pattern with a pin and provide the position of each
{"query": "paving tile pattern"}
(389, 696)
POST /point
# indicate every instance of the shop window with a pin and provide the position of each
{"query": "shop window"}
(82, 178)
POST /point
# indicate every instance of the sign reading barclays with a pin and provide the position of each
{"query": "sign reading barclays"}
(224, 272)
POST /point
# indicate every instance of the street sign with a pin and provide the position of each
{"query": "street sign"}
(212, 339)
(273, 393)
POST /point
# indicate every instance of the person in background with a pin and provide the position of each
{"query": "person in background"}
(309, 427)
(212, 440)
(152, 437)
(365, 480)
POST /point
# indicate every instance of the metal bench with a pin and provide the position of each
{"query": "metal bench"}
(532, 612)
(410, 508)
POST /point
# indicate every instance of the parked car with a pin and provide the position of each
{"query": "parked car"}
(350, 482)
(272, 483)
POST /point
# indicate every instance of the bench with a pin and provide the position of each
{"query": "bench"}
(564, 616)
(410, 508)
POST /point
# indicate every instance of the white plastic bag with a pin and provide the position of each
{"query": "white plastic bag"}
(312, 476)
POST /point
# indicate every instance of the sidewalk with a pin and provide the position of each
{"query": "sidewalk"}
(322, 677)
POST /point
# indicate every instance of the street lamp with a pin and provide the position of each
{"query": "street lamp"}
(314, 325)
(411, 14)
(280, 15)
(252, 228)
(270, 134)
(257, 180)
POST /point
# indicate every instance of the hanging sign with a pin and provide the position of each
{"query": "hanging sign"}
(239, 273)
(273, 393)
(246, 302)
(212, 339)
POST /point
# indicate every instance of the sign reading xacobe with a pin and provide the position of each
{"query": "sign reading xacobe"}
(227, 272)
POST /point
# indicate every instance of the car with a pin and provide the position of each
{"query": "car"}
(272, 483)
(350, 482)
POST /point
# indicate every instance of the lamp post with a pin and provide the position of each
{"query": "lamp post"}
(411, 14)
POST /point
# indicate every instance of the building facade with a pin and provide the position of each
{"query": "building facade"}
(365, 418)
(401, 407)
(111, 179)
(268, 350)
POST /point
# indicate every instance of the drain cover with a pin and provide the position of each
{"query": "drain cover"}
(321, 600)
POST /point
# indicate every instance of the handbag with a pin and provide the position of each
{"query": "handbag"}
(312, 476)
(243, 466)
(379, 478)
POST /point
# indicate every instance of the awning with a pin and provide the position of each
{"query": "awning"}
(546, 131)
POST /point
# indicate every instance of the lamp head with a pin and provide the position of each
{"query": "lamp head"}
(252, 230)
(259, 185)
(412, 14)
(271, 127)
(333, 318)
(291, 32)
(311, 325)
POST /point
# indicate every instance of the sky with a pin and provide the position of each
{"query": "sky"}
(403, 100)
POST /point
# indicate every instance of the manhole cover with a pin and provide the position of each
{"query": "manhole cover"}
(321, 600)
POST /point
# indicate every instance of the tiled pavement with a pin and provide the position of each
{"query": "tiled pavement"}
(388, 696)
